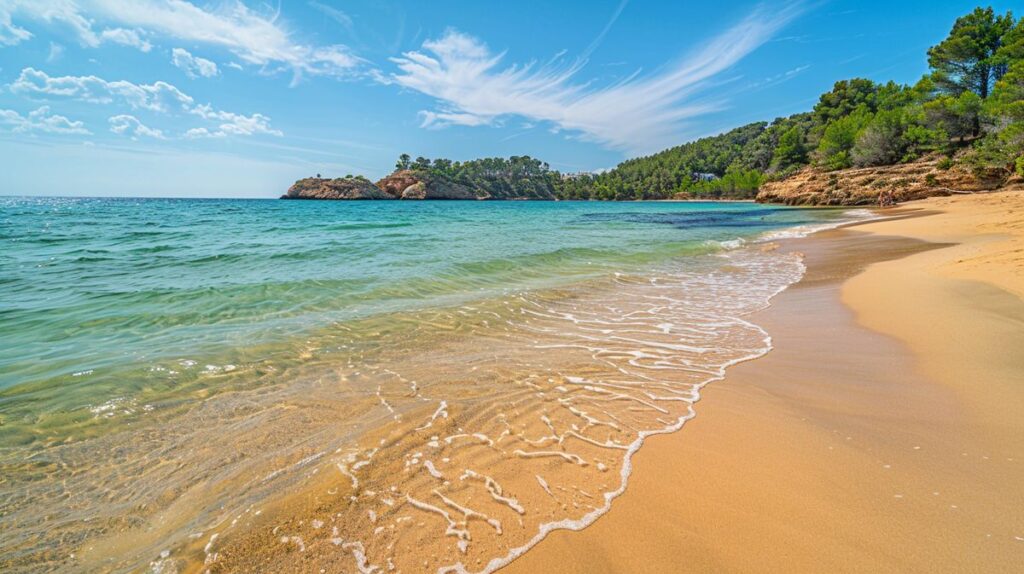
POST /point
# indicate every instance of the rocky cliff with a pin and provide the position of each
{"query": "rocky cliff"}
(867, 186)
(408, 184)
(338, 188)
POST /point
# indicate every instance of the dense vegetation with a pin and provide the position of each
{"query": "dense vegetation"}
(517, 176)
(969, 107)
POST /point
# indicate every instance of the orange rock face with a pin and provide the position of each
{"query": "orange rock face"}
(872, 185)
(339, 188)
(408, 184)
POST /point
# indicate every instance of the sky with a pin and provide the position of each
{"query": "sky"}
(162, 98)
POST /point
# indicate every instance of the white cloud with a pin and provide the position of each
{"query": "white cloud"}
(234, 124)
(130, 125)
(65, 12)
(41, 120)
(126, 37)
(642, 113)
(193, 66)
(158, 96)
(254, 38)
(196, 133)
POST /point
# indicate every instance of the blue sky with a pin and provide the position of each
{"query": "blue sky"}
(239, 99)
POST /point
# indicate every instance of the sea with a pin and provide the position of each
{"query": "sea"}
(192, 385)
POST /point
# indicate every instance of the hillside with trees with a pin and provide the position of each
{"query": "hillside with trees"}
(969, 108)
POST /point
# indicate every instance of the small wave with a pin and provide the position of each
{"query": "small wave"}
(728, 243)
(799, 231)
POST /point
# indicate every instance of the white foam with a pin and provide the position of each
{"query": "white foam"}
(799, 231)
(543, 484)
(495, 490)
(429, 465)
(442, 411)
(766, 290)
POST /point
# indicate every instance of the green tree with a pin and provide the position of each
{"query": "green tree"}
(958, 117)
(839, 138)
(1012, 46)
(1003, 148)
(403, 162)
(845, 97)
(791, 150)
(1006, 104)
(967, 59)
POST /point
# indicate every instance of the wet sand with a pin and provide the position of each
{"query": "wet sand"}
(884, 433)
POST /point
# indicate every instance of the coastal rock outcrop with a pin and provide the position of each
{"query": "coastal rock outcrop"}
(408, 184)
(874, 185)
(337, 188)
(479, 179)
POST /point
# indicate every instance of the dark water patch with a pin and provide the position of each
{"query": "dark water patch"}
(366, 225)
(702, 218)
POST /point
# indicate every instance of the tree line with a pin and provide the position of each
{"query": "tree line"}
(969, 106)
(500, 178)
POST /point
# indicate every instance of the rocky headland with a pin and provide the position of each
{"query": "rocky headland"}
(337, 188)
(928, 177)
(420, 184)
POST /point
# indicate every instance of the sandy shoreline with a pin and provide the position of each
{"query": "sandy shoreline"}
(885, 432)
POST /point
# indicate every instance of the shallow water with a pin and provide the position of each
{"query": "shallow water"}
(241, 384)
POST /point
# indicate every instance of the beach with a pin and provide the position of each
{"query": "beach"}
(883, 433)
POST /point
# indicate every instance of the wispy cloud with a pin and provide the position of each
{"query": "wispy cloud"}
(41, 120)
(332, 13)
(473, 87)
(10, 34)
(778, 78)
(56, 51)
(125, 37)
(596, 42)
(254, 38)
(193, 66)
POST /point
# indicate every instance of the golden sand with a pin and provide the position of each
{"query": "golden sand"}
(885, 432)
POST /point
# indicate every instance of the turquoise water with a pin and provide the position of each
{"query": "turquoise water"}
(93, 288)
(168, 366)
